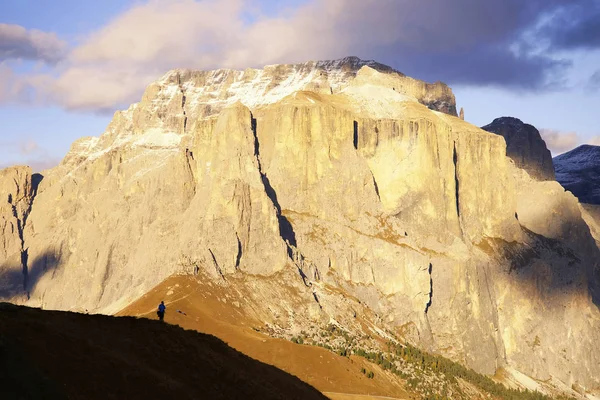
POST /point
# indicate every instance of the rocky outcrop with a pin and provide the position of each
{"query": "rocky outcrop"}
(578, 171)
(17, 188)
(524, 146)
(351, 181)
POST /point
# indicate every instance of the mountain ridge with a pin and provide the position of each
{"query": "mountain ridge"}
(365, 194)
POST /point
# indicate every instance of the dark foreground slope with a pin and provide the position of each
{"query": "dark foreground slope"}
(48, 355)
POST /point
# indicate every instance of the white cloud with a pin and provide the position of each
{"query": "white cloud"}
(559, 142)
(29, 152)
(13, 87)
(464, 40)
(114, 65)
(16, 43)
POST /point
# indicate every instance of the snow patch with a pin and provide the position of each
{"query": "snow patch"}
(523, 380)
(157, 138)
(258, 87)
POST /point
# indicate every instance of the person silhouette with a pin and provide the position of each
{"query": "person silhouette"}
(161, 310)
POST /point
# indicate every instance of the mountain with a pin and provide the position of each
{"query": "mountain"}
(60, 355)
(578, 171)
(525, 146)
(339, 193)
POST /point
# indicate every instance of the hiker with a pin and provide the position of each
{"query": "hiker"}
(161, 310)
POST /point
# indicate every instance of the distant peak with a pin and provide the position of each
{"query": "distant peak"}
(525, 146)
(507, 121)
(588, 147)
(581, 150)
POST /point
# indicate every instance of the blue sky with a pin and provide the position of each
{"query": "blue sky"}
(66, 66)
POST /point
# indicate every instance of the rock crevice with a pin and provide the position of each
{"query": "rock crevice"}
(22, 187)
(286, 229)
(430, 294)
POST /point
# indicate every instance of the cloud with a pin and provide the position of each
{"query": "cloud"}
(466, 41)
(558, 141)
(469, 42)
(23, 147)
(594, 81)
(18, 43)
(32, 154)
(37, 164)
(28, 146)
(576, 26)
(111, 68)
(14, 88)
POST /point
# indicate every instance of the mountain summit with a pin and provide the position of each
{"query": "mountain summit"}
(525, 146)
(337, 193)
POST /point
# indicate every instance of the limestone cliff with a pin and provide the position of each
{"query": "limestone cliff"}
(525, 146)
(18, 187)
(342, 174)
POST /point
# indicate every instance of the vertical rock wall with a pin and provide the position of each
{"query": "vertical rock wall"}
(17, 191)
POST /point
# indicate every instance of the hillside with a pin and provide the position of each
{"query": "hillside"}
(226, 310)
(329, 358)
(61, 355)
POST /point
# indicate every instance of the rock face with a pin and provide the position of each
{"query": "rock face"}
(17, 188)
(342, 173)
(524, 146)
(578, 171)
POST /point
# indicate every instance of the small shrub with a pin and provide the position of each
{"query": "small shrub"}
(297, 340)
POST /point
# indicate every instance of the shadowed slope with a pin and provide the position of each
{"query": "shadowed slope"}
(578, 171)
(48, 354)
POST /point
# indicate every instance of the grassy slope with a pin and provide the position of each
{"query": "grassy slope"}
(48, 354)
(206, 313)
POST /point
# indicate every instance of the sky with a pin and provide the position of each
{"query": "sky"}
(67, 65)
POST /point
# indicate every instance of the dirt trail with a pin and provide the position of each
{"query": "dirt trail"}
(208, 311)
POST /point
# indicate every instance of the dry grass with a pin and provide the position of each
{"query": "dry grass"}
(208, 313)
